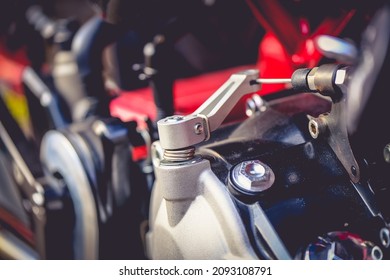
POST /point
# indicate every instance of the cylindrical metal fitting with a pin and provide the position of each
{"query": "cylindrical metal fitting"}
(252, 176)
(254, 104)
(385, 237)
(386, 153)
(179, 155)
(318, 126)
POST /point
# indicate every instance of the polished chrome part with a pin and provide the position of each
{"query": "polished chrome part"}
(332, 47)
(255, 104)
(41, 23)
(384, 235)
(179, 155)
(253, 176)
(157, 153)
(310, 79)
(267, 231)
(178, 132)
(14, 249)
(59, 156)
(341, 77)
(386, 153)
(375, 253)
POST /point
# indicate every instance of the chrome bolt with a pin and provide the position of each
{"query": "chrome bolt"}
(250, 107)
(385, 237)
(254, 104)
(254, 169)
(376, 253)
(38, 199)
(198, 128)
(253, 176)
(386, 153)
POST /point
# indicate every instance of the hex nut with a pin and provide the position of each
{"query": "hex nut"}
(252, 176)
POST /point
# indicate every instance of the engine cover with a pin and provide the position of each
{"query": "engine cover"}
(205, 201)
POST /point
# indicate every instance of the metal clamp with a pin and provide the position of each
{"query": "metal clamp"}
(179, 132)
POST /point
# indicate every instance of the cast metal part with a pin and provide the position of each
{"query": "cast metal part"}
(331, 81)
(188, 200)
(253, 176)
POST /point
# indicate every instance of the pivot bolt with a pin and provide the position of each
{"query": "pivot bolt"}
(254, 104)
(252, 176)
(385, 237)
(318, 126)
(198, 129)
(386, 153)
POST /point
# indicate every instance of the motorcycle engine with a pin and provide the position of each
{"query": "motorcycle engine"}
(285, 183)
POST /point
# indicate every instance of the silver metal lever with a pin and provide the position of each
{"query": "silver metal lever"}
(179, 132)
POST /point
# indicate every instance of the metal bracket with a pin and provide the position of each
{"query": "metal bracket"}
(335, 123)
(178, 132)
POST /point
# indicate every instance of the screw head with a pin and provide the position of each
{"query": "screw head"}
(198, 128)
(318, 126)
(173, 119)
(252, 176)
(385, 237)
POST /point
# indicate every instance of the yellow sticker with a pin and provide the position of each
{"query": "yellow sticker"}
(18, 107)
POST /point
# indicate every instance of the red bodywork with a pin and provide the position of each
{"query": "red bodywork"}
(287, 45)
(12, 66)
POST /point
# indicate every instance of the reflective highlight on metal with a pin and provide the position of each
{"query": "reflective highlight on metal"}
(253, 176)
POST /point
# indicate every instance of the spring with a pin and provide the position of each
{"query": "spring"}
(179, 155)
